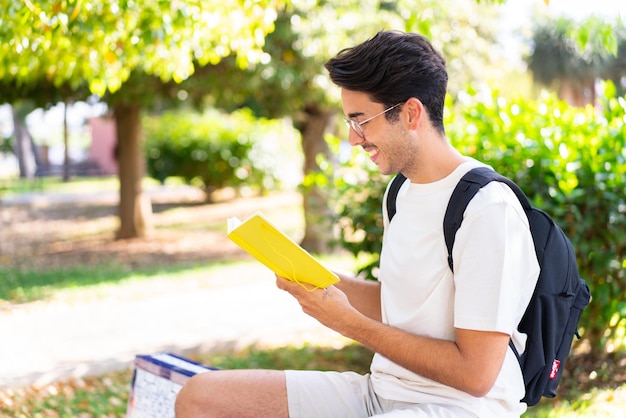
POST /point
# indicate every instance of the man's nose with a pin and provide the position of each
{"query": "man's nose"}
(354, 139)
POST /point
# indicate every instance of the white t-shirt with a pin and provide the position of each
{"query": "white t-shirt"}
(496, 270)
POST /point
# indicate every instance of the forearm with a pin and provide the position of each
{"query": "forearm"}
(364, 295)
(470, 364)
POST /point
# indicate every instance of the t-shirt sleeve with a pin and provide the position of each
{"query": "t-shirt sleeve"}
(495, 266)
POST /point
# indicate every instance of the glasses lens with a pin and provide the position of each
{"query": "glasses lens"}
(357, 128)
(354, 125)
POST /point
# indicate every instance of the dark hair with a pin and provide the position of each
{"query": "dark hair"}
(392, 67)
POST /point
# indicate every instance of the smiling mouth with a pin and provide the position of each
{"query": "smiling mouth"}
(373, 152)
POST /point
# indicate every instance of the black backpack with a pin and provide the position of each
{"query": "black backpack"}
(551, 318)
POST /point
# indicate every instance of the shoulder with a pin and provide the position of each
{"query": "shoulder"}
(495, 196)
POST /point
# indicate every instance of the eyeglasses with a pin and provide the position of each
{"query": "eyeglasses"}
(356, 125)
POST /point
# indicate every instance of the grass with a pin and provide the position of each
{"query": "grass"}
(96, 396)
(598, 403)
(107, 395)
(55, 184)
(21, 285)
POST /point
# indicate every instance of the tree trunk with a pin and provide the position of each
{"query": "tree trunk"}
(135, 208)
(578, 93)
(24, 146)
(66, 146)
(317, 213)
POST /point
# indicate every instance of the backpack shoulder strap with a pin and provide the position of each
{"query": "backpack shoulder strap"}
(396, 183)
(464, 191)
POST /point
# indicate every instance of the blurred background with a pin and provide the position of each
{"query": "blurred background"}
(130, 131)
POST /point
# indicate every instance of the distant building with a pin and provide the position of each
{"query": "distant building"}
(103, 144)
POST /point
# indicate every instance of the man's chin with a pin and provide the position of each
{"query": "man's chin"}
(386, 170)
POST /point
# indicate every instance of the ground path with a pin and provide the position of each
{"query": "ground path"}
(44, 342)
(231, 307)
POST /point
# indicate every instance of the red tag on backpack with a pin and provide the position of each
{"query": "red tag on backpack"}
(555, 369)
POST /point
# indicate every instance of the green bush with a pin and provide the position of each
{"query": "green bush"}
(212, 150)
(356, 195)
(6, 145)
(570, 162)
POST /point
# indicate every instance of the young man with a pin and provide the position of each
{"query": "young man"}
(441, 339)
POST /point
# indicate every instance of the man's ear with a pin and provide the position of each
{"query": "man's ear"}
(415, 111)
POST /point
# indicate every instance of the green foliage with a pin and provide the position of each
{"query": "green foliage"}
(596, 33)
(213, 150)
(290, 77)
(564, 49)
(357, 195)
(99, 43)
(6, 145)
(571, 163)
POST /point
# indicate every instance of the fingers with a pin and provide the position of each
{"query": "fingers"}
(283, 284)
(293, 287)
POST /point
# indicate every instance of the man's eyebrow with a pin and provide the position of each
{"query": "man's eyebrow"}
(355, 114)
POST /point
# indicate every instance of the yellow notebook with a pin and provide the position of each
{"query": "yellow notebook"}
(262, 240)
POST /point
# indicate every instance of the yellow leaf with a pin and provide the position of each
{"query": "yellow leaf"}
(98, 87)
(75, 11)
(110, 57)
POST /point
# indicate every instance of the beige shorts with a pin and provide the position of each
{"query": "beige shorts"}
(317, 394)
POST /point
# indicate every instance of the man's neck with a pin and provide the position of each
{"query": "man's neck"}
(438, 161)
